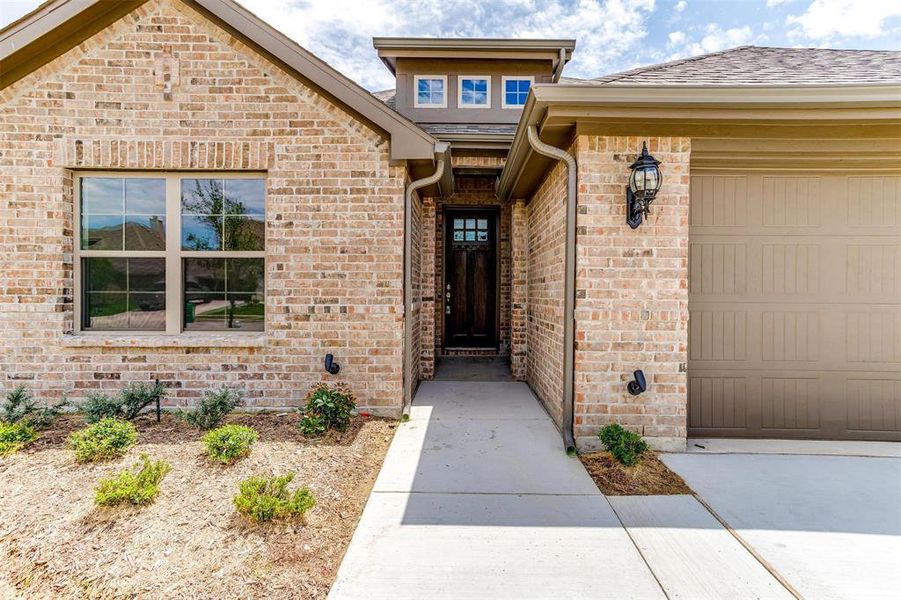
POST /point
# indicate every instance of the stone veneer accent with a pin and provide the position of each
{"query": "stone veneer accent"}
(334, 263)
(631, 293)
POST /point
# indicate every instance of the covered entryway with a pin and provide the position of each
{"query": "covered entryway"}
(795, 302)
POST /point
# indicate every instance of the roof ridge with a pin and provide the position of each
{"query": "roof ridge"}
(623, 74)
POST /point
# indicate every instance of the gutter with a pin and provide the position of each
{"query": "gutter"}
(569, 293)
(442, 152)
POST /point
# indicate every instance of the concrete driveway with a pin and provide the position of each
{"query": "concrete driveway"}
(829, 525)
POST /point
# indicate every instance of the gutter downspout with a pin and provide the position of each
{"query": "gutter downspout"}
(408, 275)
(561, 62)
(569, 293)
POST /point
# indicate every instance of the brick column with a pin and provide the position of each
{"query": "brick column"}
(519, 289)
(427, 315)
(631, 293)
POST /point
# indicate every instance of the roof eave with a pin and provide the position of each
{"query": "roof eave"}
(698, 101)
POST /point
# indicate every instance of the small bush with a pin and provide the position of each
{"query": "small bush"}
(327, 408)
(20, 406)
(263, 499)
(229, 442)
(140, 487)
(127, 405)
(14, 436)
(213, 408)
(105, 439)
(625, 446)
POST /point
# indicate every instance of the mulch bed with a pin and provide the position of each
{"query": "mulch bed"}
(649, 477)
(190, 543)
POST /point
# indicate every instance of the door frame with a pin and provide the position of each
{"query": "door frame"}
(494, 209)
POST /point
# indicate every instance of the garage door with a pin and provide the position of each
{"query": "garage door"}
(795, 303)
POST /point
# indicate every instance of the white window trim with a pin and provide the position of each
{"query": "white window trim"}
(504, 81)
(416, 80)
(173, 253)
(460, 79)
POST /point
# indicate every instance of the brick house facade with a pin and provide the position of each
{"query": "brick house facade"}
(358, 189)
(330, 184)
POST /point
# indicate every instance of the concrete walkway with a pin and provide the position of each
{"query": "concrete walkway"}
(476, 499)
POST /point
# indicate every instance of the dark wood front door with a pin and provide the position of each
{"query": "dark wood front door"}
(470, 279)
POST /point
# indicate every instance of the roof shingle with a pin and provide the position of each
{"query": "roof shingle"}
(758, 65)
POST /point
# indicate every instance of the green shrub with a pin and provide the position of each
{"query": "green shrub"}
(625, 446)
(327, 408)
(139, 487)
(263, 499)
(127, 405)
(228, 443)
(105, 439)
(14, 436)
(213, 408)
(20, 406)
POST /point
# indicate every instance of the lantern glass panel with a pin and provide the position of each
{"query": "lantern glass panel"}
(651, 180)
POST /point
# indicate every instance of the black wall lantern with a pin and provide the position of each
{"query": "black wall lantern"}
(644, 183)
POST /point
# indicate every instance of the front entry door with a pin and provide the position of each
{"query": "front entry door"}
(470, 280)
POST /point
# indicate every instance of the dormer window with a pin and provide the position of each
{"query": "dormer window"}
(516, 90)
(431, 91)
(474, 91)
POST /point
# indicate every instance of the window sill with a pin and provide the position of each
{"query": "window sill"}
(184, 340)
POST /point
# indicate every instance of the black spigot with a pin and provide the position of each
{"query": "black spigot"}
(330, 365)
(637, 385)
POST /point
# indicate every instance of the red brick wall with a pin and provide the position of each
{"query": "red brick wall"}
(334, 214)
(631, 293)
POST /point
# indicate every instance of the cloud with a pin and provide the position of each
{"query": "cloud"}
(680, 5)
(676, 38)
(340, 32)
(714, 39)
(825, 19)
(772, 3)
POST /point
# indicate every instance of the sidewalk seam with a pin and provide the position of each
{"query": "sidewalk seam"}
(763, 562)
(637, 549)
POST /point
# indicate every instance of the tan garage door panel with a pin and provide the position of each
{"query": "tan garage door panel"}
(795, 302)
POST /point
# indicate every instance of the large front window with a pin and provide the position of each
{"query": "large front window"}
(171, 253)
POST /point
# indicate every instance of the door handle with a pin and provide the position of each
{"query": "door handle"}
(447, 296)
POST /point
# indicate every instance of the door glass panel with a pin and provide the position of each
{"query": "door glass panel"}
(470, 223)
(458, 236)
(470, 236)
(483, 223)
(483, 236)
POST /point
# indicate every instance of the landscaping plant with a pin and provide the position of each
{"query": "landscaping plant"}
(213, 408)
(13, 436)
(625, 446)
(20, 406)
(139, 487)
(228, 443)
(105, 439)
(127, 405)
(266, 498)
(327, 408)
